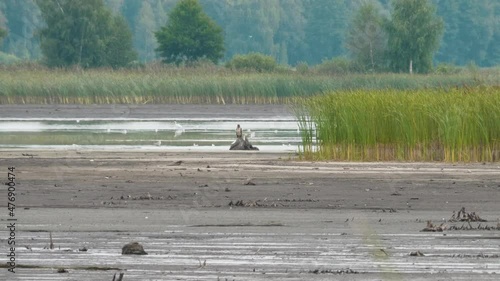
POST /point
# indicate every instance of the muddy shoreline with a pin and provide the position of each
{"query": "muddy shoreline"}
(240, 215)
(297, 220)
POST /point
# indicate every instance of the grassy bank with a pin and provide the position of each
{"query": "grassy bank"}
(459, 124)
(208, 85)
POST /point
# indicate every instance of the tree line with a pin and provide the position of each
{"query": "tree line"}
(292, 31)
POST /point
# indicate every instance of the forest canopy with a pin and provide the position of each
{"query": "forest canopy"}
(292, 31)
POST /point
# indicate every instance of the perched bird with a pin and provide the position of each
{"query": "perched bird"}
(239, 131)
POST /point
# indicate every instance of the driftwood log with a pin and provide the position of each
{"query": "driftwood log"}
(242, 144)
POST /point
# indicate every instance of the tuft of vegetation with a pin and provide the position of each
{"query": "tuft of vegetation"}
(336, 66)
(8, 59)
(446, 68)
(445, 124)
(253, 62)
(302, 67)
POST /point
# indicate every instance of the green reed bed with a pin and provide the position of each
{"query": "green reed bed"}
(459, 124)
(209, 85)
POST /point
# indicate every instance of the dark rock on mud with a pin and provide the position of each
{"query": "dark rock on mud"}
(133, 248)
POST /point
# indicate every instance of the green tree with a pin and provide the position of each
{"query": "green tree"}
(3, 33)
(291, 34)
(252, 27)
(325, 29)
(190, 35)
(83, 33)
(119, 49)
(21, 19)
(145, 40)
(414, 35)
(366, 39)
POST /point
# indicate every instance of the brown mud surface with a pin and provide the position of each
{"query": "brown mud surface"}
(247, 216)
(244, 215)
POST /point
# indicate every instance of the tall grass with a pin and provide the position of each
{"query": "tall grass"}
(458, 124)
(214, 85)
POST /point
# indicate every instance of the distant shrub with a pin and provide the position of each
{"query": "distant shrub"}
(445, 68)
(338, 65)
(253, 61)
(302, 67)
(8, 58)
(135, 64)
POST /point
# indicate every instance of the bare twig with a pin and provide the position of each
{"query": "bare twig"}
(51, 245)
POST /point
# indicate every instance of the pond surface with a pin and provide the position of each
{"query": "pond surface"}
(197, 134)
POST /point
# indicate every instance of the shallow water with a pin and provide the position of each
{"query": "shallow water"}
(195, 134)
(290, 250)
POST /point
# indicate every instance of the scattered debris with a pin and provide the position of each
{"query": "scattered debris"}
(133, 248)
(249, 203)
(470, 227)
(434, 228)
(417, 254)
(144, 197)
(480, 255)
(202, 265)
(333, 271)
(249, 182)
(120, 277)
(299, 200)
(29, 155)
(462, 215)
(267, 203)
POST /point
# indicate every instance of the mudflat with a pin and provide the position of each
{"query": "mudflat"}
(248, 216)
(241, 215)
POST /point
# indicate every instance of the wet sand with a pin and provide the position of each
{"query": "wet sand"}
(243, 216)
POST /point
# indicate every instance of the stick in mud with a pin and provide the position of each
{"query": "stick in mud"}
(119, 277)
(51, 246)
